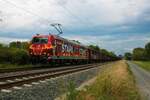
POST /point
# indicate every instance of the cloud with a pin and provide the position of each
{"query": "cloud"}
(90, 21)
(20, 14)
(116, 43)
(6, 40)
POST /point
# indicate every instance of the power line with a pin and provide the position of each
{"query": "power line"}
(77, 18)
(74, 15)
(27, 11)
(30, 12)
(66, 9)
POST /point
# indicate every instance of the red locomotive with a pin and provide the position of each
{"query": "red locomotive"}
(55, 49)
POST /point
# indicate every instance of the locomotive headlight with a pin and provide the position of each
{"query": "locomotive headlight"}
(44, 52)
(31, 51)
(48, 54)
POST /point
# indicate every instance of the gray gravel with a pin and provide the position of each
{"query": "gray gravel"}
(51, 88)
(142, 78)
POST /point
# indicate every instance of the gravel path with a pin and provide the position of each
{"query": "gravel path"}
(142, 78)
(51, 88)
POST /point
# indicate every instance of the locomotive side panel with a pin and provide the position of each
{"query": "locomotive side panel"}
(67, 50)
(56, 49)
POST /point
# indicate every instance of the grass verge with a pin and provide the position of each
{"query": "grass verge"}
(11, 66)
(144, 64)
(15, 67)
(115, 83)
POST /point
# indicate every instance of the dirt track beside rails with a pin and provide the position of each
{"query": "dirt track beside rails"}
(142, 78)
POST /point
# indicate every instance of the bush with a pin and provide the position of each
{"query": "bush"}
(13, 55)
(72, 92)
(1, 45)
(21, 45)
(147, 49)
(128, 56)
(139, 54)
(20, 57)
(5, 55)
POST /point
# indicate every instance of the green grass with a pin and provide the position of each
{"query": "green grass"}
(12, 66)
(72, 92)
(144, 64)
(5, 67)
(115, 83)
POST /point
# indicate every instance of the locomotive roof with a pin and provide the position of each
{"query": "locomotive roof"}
(61, 38)
(71, 41)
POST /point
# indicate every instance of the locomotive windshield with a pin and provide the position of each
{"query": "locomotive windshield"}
(39, 40)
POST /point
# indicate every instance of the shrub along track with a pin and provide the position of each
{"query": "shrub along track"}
(9, 80)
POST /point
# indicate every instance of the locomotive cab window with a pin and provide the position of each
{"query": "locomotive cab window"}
(39, 40)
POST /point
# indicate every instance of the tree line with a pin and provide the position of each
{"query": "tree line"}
(14, 53)
(139, 53)
(17, 53)
(103, 51)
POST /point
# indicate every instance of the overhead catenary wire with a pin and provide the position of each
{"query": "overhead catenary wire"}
(26, 10)
(32, 13)
(65, 8)
(75, 16)
(79, 19)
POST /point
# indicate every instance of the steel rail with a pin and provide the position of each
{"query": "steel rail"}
(20, 74)
(42, 76)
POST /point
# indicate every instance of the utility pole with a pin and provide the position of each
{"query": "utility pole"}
(57, 26)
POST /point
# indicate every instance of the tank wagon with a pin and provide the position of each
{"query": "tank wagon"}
(55, 49)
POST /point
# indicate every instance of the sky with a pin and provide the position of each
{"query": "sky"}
(116, 25)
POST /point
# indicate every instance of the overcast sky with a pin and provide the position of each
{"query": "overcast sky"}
(117, 25)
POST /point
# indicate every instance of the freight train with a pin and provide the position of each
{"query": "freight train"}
(57, 50)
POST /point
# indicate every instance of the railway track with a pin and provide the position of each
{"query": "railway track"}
(16, 79)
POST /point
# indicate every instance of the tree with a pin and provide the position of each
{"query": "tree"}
(112, 54)
(128, 56)
(25, 45)
(20, 56)
(139, 54)
(1, 45)
(76, 41)
(147, 50)
(4, 55)
(104, 51)
(94, 47)
(21, 45)
(15, 44)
